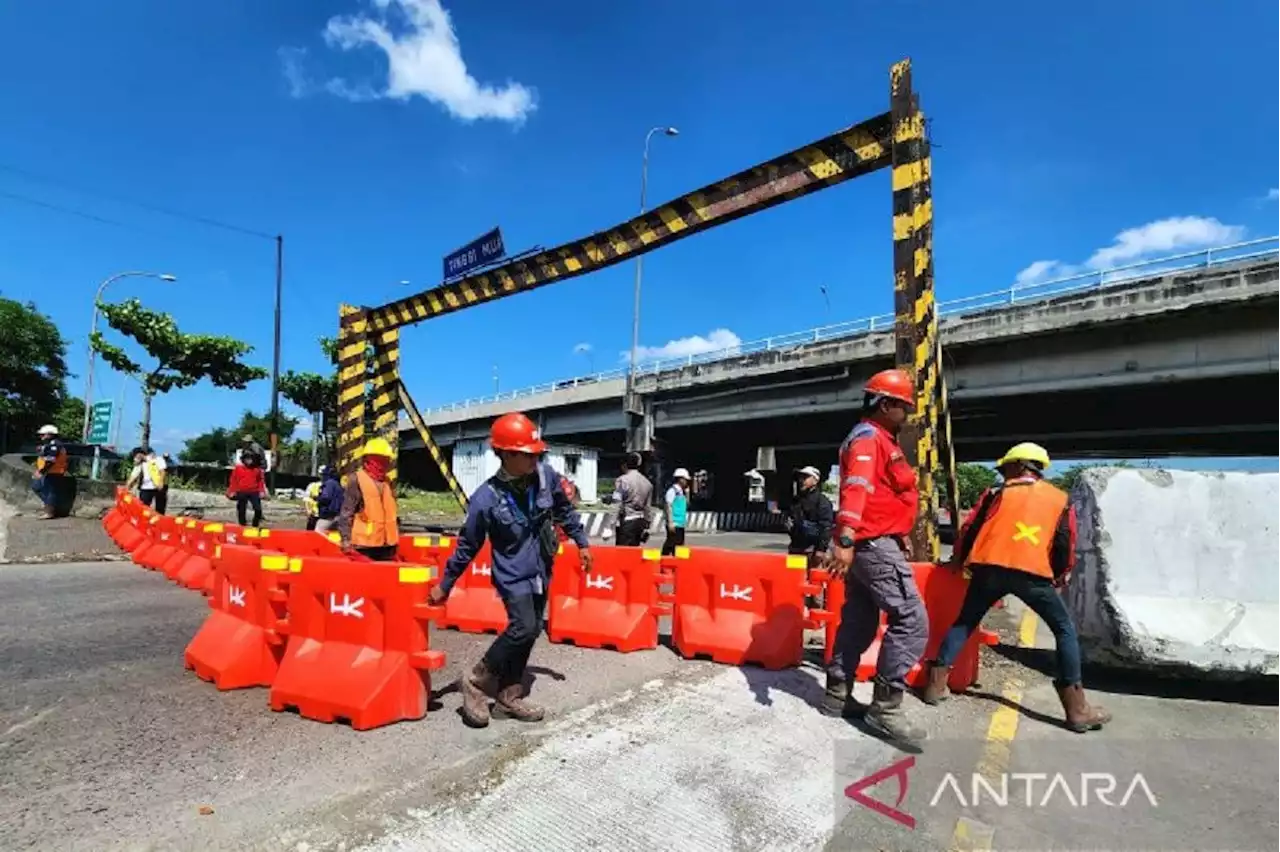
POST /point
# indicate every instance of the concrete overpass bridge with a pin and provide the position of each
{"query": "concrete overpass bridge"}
(1177, 357)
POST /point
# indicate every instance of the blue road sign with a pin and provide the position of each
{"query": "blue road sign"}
(479, 252)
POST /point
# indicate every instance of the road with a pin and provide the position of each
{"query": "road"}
(109, 744)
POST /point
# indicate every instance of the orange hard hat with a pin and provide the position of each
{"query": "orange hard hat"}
(895, 384)
(517, 433)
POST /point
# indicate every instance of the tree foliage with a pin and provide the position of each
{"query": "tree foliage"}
(180, 359)
(317, 394)
(218, 445)
(70, 418)
(33, 372)
(972, 480)
(212, 447)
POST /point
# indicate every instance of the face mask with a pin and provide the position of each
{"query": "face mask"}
(377, 467)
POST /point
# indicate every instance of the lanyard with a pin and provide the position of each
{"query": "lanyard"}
(511, 498)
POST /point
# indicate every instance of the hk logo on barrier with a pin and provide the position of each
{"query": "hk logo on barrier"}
(605, 583)
(347, 607)
(482, 570)
(235, 596)
(737, 593)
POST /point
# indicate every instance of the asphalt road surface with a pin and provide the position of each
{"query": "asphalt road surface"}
(107, 743)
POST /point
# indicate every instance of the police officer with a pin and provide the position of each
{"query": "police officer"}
(516, 510)
(878, 504)
(1020, 540)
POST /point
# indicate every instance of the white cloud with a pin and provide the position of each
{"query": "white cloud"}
(1273, 194)
(581, 348)
(721, 339)
(424, 58)
(1178, 233)
(1165, 236)
(291, 59)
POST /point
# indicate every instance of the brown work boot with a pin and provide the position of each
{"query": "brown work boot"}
(935, 689)
(885, 717)
(477, 688)
(1081, 716)
(511, 702)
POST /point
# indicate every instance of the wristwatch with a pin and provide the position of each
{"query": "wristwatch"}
(845, 541)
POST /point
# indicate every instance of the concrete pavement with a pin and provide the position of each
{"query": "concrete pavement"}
(110, 744)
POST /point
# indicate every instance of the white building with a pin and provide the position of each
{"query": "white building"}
(473, 462)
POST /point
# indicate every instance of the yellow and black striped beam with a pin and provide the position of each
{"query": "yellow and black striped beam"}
(852, 152)
(415, 417)
(384, 379)
(946, 446)
(916, 322)
(353, 344)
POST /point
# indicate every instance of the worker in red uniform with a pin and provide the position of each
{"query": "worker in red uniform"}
(1020, 540)
(878, 504)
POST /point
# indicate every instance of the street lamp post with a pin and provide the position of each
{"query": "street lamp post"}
(93, 329)
(635, 317)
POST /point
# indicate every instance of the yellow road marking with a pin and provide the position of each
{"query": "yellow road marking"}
(970, 834)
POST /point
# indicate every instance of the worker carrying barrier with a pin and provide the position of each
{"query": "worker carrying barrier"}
(942, 590)
(240, 644)
(615, 605)
(473, 606)
(162, 535)
(739, 607)
(358, 646)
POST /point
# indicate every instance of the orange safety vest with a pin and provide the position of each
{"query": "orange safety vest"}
(375, 524)
(1018, 534)
(57, 466)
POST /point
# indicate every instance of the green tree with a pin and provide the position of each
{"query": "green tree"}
(317, 394)
(33, 373)
(70, 417)
(259, 426)
(972, 480)
(214, 446)
(181, 359)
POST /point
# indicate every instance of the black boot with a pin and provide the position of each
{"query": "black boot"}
(837, 693)
(885, 717)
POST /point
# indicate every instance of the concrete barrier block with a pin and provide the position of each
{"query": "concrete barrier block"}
(1178, 569)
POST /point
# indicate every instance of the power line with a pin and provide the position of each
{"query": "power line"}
(155, 208)
(61, 209)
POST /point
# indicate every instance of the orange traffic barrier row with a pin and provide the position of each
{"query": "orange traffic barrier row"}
(337, 638)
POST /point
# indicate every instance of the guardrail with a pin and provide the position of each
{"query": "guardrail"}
(1015, 295)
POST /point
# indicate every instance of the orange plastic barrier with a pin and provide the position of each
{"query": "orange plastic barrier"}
(942, 591)
(116, 515)
(132, 534)
(473, 605)
(200, 539)
(162, 535)
(239, 645)
(739, 607)
(358, 646)
(184, 532)
(614, 606)
(293, 542)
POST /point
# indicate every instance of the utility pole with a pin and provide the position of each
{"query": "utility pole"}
(275, 368)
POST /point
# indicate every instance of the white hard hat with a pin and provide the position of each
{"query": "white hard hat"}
(48, 429)
(681, 473)
(811, 471)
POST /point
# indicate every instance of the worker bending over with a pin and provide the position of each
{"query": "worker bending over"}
(878, 504)
(516, 510)
(1020, 540)
(367, 523)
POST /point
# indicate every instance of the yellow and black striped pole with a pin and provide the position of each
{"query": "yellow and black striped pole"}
(353, 344)
(415, 417)
(915, 322)
(384, 382)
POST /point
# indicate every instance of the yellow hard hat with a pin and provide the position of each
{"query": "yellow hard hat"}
(376, 447)
(1026, 452)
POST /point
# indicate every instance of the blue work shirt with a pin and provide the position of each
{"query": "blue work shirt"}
(329, 500)
(498, 514)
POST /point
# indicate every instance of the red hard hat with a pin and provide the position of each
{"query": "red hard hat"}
(895, 384)
(517, 433)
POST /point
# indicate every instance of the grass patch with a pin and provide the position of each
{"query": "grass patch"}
(427, 502)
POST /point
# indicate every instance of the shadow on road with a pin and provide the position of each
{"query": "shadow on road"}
(1171, 682)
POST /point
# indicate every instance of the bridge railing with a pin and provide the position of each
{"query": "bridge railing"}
(1016, 295)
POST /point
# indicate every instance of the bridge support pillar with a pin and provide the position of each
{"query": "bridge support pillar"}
(638, 410)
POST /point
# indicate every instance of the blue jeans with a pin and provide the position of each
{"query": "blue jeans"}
(990, 584)
(46, 488)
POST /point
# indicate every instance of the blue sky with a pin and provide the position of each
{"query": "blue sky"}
(378, 136)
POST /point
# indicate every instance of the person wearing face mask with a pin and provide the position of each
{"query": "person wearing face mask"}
(878, 505)
(516, 510)
(367, 522)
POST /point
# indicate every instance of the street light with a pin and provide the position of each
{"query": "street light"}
(93, 329)
(635, 317)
